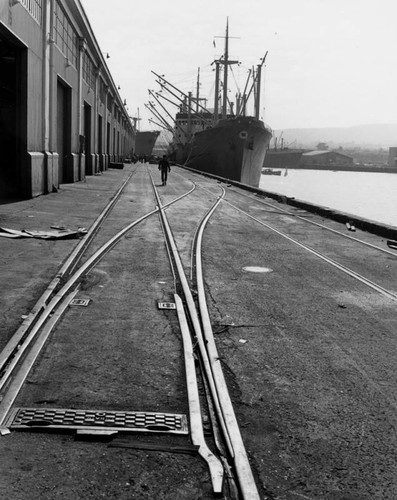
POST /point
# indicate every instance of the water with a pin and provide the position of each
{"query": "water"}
(370, 195)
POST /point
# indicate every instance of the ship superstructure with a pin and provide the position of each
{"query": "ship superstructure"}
(223, 141)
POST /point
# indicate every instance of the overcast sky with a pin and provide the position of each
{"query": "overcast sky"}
(329, 62)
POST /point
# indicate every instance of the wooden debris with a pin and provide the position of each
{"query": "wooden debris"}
(190, 449)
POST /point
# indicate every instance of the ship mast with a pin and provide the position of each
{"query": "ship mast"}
(225, 62)
(138, 120)
(198, 91)
(258, 87)
(216, 102)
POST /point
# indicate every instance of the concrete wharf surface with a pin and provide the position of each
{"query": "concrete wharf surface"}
(309, 352)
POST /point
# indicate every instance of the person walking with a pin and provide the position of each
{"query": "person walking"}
(164, 166)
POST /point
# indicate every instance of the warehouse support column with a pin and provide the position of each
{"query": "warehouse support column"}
(106, 132)
(95, 121)
(80, 107)
(50, 180)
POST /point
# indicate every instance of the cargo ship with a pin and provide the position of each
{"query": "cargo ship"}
(226, 143)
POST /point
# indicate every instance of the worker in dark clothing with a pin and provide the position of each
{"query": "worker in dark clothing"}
(164, 166)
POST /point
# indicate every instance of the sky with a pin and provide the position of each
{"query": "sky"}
(329, 63)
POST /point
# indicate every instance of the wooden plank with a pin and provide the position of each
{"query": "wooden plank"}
(139, 445)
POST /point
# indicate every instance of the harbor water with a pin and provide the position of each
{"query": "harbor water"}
(370, 195)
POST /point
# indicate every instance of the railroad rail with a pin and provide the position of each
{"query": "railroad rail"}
(54, 304)
(338, 265)
(24, 348)
(224, 451)
(375, 286)
(283, 211)
(203, 333)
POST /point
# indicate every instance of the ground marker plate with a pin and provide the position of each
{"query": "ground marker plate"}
(166, 305)
(80, 302)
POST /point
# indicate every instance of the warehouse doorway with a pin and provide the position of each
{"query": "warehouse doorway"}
(14, 178)
(99, 147)
(87, 140)
(108, 139)
(64, 131)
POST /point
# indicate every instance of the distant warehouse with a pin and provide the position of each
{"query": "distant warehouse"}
(285, 158)
(325, 158)
(61, 116)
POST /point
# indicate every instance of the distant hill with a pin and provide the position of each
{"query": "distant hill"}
(370, 136)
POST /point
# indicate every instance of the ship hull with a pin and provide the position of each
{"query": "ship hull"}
(145, 141)
(234, 149)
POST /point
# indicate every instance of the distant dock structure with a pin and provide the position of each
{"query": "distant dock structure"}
(392, 162)
(325, 160)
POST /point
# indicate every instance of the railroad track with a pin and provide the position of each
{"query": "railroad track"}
(228, 464)
(18, 339)
(233, 449)
(359, 277)
(282, 211)
(223, 450)
(276, 210)
(53, 302)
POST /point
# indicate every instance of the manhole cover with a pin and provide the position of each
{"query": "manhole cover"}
(57, 418)
(257, 269)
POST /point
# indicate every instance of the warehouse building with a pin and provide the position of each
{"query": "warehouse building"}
(392, 160)
(61, 116)
(325, 158)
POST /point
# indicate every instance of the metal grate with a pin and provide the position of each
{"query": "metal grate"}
(54, 418)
